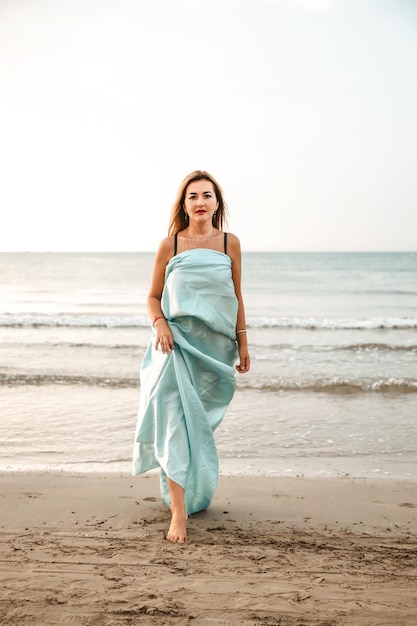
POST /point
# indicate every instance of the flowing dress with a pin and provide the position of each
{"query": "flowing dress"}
(184, 394)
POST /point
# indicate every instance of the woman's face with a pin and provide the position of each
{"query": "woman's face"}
(200, 201)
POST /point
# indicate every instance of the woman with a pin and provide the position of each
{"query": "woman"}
(187, 375)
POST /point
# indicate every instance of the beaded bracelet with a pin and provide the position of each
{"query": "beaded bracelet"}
(157, 317)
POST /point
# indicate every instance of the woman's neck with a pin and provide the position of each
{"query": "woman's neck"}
(199, 233)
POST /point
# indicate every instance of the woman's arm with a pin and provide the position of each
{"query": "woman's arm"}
(241, 337)
(163, 332)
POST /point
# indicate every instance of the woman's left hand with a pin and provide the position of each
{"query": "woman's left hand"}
(244, 360)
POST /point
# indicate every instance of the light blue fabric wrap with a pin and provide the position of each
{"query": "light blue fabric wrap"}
(184, 395)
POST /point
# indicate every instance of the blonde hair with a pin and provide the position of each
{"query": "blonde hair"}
(178, 220)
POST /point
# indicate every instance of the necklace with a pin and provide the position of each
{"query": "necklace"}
(197, 241)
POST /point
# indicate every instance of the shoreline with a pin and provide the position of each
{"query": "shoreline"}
(90, 549)
(295, 501)
(310, 468)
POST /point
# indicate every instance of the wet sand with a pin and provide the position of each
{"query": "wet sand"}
(89, 549)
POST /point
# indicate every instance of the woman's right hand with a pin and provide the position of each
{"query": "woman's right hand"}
(164, 337)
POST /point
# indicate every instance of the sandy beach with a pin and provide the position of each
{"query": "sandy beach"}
(89, 549)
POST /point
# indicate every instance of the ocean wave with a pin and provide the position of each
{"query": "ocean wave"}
(325, 323)
(36, 320)
(136, 347)
(259, 351)
(40, 379)
(336, 385)
(353, 347)
(374, 347)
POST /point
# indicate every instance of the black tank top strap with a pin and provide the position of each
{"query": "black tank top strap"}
(225, 242)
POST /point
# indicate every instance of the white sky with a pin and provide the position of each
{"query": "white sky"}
(304, 110)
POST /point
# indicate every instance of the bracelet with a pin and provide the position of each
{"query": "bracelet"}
(157, 317)
(241, 331)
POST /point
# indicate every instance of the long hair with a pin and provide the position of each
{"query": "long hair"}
(178, 220)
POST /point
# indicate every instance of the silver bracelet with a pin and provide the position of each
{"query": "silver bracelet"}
(241, 331)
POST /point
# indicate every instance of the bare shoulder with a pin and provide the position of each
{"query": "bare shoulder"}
(233, 243)
(166, 243)
(166, 248)
(162, 257)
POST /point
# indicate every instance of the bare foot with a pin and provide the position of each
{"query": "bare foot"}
(177, 532)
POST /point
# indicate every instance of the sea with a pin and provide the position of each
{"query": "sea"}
(332, 389)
